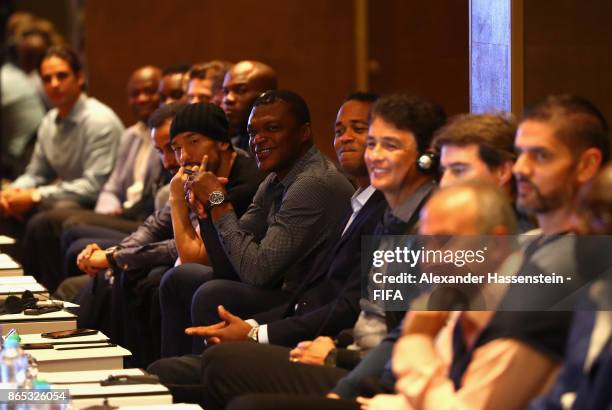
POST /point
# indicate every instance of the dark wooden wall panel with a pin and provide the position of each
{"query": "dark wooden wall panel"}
(422, 48)
(568, 49)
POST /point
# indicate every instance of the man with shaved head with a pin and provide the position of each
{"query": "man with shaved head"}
(246, 81)
(126, 198)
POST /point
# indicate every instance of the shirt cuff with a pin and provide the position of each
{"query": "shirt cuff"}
(262, 335)
(48, 190)
(118, 257)
(252, 322)
(262, 332)
(23, 182)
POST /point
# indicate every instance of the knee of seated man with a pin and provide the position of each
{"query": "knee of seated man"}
(218, 358)
(76, 247)
(182, 375)
(169, 280)
(73, 221)
(38, 222)
(178, 370)
(208, 297)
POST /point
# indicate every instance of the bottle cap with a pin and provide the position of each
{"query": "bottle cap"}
(41, 385)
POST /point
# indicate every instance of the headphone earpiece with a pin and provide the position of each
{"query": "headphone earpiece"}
(28, 296)
(12, 304)
(427, 162)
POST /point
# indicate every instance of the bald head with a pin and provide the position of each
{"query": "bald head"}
(468, 208)
(260, 75)
(244, 82)
(143, 95)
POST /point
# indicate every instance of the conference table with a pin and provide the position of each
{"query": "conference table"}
(77, 364)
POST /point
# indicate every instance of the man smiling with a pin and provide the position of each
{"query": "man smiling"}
(286, 224)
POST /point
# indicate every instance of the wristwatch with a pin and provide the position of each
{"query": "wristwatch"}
(254, 334)
(110, 257)
(216, 198)
(332, 358)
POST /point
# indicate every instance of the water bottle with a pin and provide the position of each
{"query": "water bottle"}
(13, 365)
(43, 385)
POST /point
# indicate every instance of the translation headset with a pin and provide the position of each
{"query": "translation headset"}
(427, 162)
(15, 304)
(28, 303)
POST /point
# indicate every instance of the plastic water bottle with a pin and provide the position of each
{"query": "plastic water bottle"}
(44, 386)
(13, 365)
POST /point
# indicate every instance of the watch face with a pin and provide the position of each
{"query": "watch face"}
(216, 197)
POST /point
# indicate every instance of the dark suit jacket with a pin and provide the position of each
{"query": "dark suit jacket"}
(593, 388)
(328, 300)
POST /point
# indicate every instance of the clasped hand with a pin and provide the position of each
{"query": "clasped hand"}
(92, 259)
(15, 202)
(196, 185)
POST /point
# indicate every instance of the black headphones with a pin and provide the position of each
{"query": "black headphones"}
(15, 304)
(427, 162)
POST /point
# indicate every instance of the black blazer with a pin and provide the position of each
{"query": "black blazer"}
(328, 298)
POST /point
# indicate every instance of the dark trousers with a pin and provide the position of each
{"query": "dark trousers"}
(230, 370)
(94, 305)
(286, 401)
(127, 311)
(182, 375)
(192, 282)
(177, 288)
(136, 316)
(43, 234)
(25, 252)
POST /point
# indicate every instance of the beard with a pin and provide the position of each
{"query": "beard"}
(539, 203)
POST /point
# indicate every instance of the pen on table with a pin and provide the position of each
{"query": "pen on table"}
(50, 345)
(86, 347)
(80, 342)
